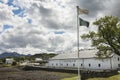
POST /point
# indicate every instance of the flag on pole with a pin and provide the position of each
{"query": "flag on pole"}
(83, 22)
(80, 22)
(82, 11)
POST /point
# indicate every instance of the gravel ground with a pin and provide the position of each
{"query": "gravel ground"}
(12, 73)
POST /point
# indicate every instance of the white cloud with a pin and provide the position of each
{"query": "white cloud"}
(27, 50)
(8, 17)
(1, 27)
(48, 16)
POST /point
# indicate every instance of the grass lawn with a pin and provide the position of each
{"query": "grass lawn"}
(72, 78)
(75, 77)
(115, 77)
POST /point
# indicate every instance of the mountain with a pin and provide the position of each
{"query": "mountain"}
(10, 54)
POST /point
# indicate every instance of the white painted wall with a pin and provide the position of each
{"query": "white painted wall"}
(94, 63)
(80, 63)
(9, 60)
(115, 61)
(52, 63)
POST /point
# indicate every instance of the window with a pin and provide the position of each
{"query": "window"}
(118, 65)
(81, 64)
(67, 64)
(73, 64)
(99, 65)
(52, 64)
(56, 64)
(118, 59)
(89, 65)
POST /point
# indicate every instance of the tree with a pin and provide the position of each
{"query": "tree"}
(21, 58)
(44, 56)
(14, 63)
(107, 38)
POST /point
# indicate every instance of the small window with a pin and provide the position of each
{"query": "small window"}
(118, 59)
(81, 64)
(89, 65)
(67, 64)
(99, 65)
(52, 64)
(73, 64)
(118, 65)
(56, 64)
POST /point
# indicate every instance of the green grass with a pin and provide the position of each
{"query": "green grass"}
(74, 77)
(13, 71)
(69, 76)
(6, 65)
(115, 77)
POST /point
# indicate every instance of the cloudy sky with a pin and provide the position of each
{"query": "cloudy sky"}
(35, 26)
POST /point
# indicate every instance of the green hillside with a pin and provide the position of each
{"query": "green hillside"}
(43, 56)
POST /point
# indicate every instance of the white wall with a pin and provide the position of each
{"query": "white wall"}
(115, 61)
(69, 63)
(80, 63)
(73, 63)
(53, 63)
(9, 61)
(63, 63)
(94, 63)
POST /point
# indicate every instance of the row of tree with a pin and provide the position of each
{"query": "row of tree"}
(44, 56)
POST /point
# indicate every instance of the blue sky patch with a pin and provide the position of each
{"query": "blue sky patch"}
(20, 12)
(59, 32)
(1, 1)
(29, 21)
(7, 27)
(10, 3)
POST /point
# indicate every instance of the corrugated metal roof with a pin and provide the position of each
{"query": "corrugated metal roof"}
(82, 54)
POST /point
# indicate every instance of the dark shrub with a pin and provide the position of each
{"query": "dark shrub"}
(14, 63)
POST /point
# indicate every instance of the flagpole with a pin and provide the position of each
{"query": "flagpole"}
(78, 43)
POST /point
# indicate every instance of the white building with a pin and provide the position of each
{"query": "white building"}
(9, 60)
(24, 63)
(38, 60)
(87, 61)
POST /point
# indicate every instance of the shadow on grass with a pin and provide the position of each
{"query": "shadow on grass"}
(84, 74)
(87, 75)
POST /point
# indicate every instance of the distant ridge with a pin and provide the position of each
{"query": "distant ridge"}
(11, 54)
